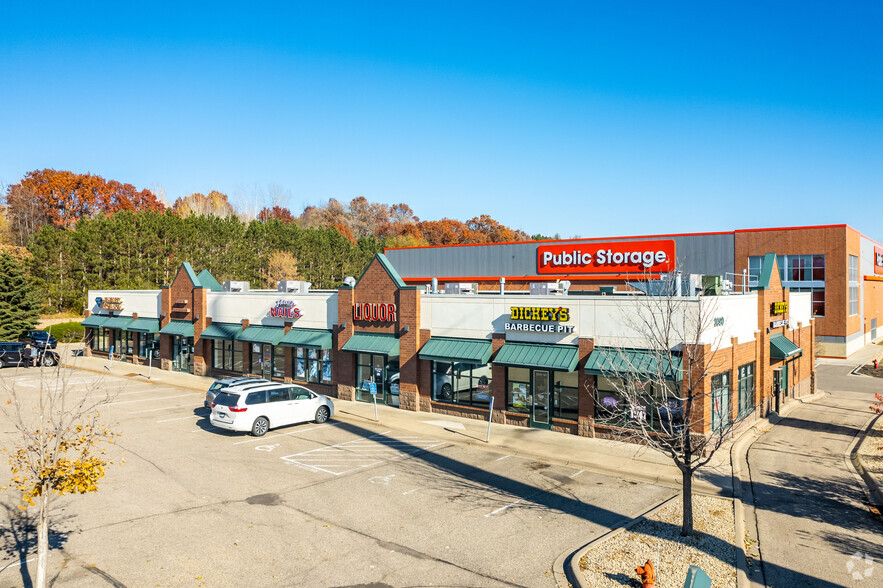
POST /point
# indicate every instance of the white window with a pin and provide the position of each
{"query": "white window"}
(853, 285)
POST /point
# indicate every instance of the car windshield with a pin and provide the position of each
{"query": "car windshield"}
(217, 386)
(225, 399)
(41, 335)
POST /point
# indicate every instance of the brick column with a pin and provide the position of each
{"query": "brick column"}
(87, 337)
(424, 377)
(409, 344)
(344, 374)
(165, 317)
(246, 350)
(586, 391)
(200, 354)
(498, 386)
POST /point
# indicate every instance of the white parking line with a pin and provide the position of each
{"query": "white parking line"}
(192, 416)
(501, 509)
(160, 408)
(160, 398)
(282, 434)
(576, 474)
(502, 458)
(357, 454)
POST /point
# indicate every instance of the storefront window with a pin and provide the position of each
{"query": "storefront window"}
(518, 390)
(461, 383)
(799, 273)
(746, 389)
(720, 401)
(257, 359)
(635, 404)
(312, 365)
(145, 341)
(278, 362)
(566, 395)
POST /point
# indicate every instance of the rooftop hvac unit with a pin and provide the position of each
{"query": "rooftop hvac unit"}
(727, 286)
(694, 284)
(460, 288)
(235, 286)
(543, 288)
(294, 286)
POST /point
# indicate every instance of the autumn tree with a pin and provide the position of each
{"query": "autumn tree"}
(62, 198)
(277, 212)
(447, 232)
(19, 308)
(61, 446)
(282, 266)
(214, 204)
(491, 231)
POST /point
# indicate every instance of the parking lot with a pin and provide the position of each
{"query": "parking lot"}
(345, 503)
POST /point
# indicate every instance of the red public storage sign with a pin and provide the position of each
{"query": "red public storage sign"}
(621, 257)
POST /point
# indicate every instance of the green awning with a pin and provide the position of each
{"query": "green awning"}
(256, 334)
(453, 349)
(318, 338)
(782, 348)
(145, 325)
(118, 322)
(94, 321)
(553, 357)
(618, 363)
(182, 328)
(228, 331)
(372, 343)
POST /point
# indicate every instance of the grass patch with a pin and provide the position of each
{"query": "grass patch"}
(72, 332)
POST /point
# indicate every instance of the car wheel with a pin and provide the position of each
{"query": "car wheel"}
(2, 365)
(322, 414)
(446, 391)
(482, 381)
(49, 361)
(260, 427)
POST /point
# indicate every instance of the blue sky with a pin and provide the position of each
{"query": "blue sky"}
(578, 118)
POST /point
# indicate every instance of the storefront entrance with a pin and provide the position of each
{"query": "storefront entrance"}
(182, 354)
(540, 405)
(377, 374)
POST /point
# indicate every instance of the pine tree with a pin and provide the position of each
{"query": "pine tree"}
(19, 308)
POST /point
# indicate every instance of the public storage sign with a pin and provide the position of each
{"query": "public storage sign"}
(624, 257)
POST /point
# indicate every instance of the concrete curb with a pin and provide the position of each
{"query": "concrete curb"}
(566, 567)
(871, 487)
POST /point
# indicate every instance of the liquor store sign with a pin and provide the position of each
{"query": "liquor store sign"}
(374, 312)
(109, 303)
(539, 319)
(624, 257)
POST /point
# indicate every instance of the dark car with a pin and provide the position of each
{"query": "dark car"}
(14, 354)
(39, 339)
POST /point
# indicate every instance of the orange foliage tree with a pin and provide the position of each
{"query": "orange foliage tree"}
(280, 213)
(214, 204)
(63, 197)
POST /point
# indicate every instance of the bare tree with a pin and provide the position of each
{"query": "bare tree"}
(656, 391)
(61, 446)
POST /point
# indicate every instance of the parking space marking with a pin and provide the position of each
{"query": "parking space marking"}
(501, 509)
(502, 458)
(576, 474)
(191, 416)
(160, 408)
(350, 456)
(149, 399)
(283, 434)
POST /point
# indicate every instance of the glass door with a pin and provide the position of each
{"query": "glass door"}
(182, 353)
(539, 415)
(266, 361)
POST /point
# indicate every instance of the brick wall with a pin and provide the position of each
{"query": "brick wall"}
(586, 391)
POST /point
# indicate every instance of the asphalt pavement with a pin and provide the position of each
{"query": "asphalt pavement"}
(813, 519)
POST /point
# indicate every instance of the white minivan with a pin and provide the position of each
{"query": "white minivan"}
(258, 409)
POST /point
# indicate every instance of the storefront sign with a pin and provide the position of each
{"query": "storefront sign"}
(779, 323)
(878, 260)
(542, 315)
(285, 309)
(374, 312)
(778, 308)
(109, 303)
(594, 258)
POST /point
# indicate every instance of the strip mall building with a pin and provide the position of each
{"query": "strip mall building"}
(533, 326)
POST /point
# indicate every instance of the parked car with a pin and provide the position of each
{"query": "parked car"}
(224, 383)
(275, 405)
(14, 354)
(39, 339)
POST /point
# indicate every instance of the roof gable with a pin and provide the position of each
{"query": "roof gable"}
(769, 274)
(390, 270)
(207, 280)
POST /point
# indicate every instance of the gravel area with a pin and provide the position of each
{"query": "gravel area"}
(868, 370)
(871, 451)
(713, 548)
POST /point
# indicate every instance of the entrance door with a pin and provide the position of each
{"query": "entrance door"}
(541, 400)
(182, 355)
(266, 361)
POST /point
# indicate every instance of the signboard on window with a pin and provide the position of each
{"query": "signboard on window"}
(624, 257)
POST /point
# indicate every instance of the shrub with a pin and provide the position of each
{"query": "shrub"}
(72, 332)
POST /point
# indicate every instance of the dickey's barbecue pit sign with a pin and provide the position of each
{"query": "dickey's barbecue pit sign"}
(624, 257)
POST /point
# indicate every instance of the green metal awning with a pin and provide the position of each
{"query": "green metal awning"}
(372, 343)
(782, 348)
(94, 321)
(553, 357)
(318, 338)
(256, 334)
(612, 362)
(118, 322)
(452, 349)
(228, 331)
(182, 328)
(144, 325)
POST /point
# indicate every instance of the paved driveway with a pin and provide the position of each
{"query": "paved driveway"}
(345, 503)
(811, 511)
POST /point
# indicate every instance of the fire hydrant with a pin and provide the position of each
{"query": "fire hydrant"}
(648, 576)
(875, 364)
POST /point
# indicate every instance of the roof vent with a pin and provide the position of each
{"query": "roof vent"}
(293, 286)
(236, 286)
(460, 288)
(543, 288)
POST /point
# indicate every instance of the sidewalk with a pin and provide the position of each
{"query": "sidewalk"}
(613, 458)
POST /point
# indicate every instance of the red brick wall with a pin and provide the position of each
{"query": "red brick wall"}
(586, 391)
